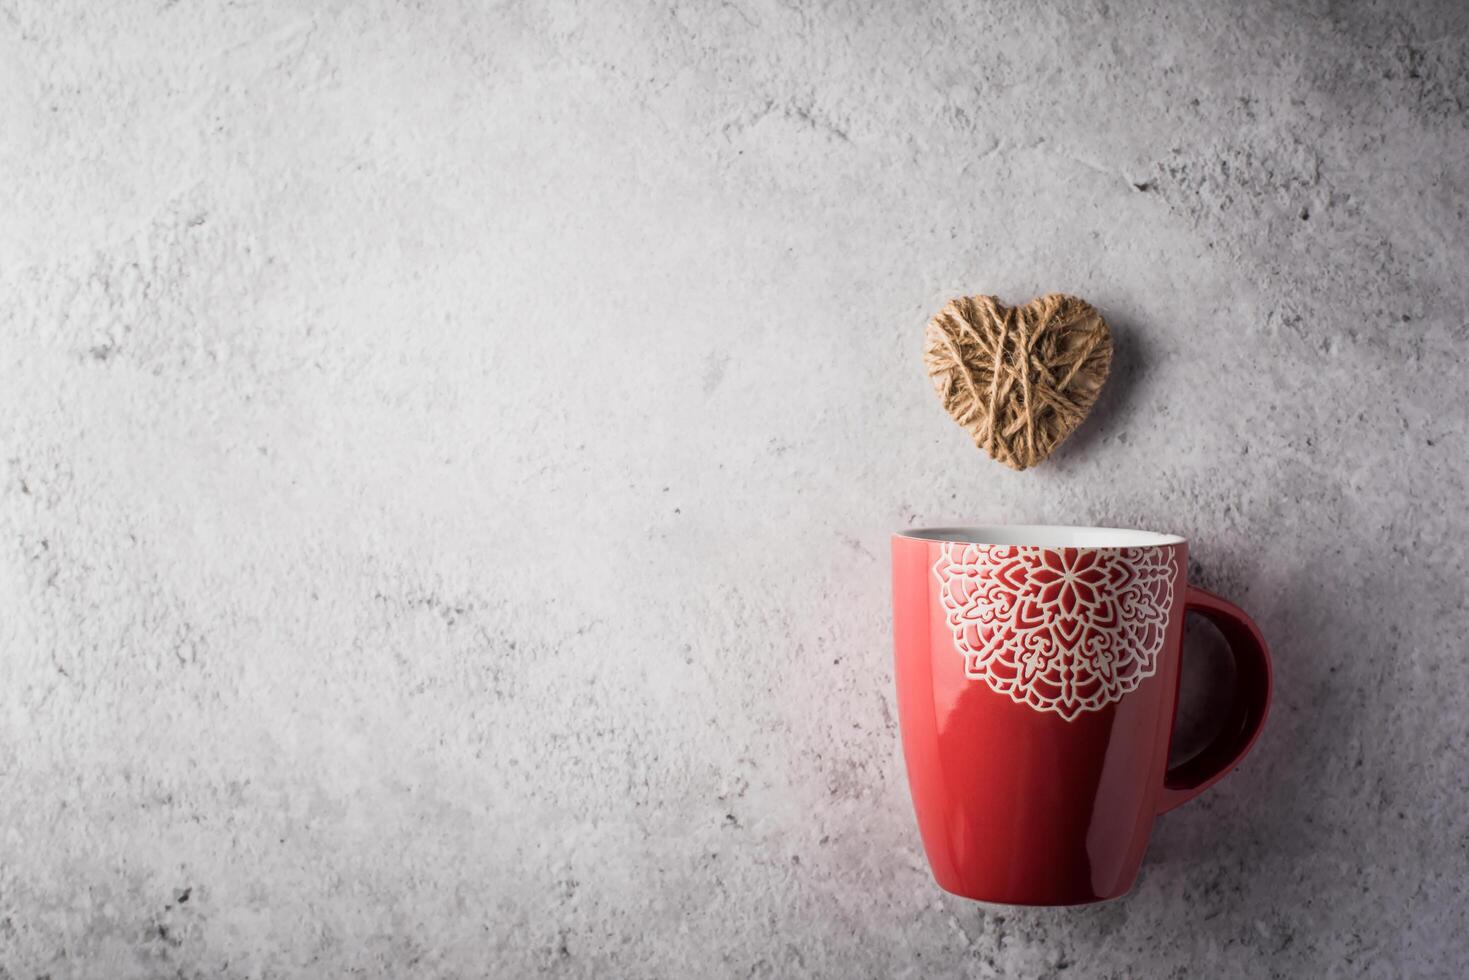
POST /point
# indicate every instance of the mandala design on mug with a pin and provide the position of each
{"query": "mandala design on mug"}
(1060, 629)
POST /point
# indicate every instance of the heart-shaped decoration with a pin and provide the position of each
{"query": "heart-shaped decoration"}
(1019, 378)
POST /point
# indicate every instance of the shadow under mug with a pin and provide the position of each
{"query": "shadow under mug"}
(1037, 673)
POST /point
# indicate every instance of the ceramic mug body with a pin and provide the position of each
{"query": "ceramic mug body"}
(1037, 673)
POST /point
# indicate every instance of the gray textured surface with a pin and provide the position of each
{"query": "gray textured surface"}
(449, 453)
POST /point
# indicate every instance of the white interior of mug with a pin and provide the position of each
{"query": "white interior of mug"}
(1045, 536)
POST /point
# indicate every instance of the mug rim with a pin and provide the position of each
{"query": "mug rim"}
(1046, 536)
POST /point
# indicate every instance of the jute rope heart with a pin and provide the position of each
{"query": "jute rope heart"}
(1018, 378)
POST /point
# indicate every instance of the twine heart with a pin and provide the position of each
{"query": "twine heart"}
(1020, 379)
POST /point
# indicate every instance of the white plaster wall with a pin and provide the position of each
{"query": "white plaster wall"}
(449, 452)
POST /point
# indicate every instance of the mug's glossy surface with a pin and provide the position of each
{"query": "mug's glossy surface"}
(1037, 685)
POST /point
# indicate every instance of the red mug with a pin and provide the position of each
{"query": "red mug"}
(1037, 672)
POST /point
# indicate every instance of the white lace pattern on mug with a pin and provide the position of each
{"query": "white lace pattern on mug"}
(1060, 629)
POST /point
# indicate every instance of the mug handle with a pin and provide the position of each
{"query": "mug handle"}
(1246, 716)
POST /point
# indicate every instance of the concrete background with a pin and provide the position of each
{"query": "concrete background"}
(449, 452)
